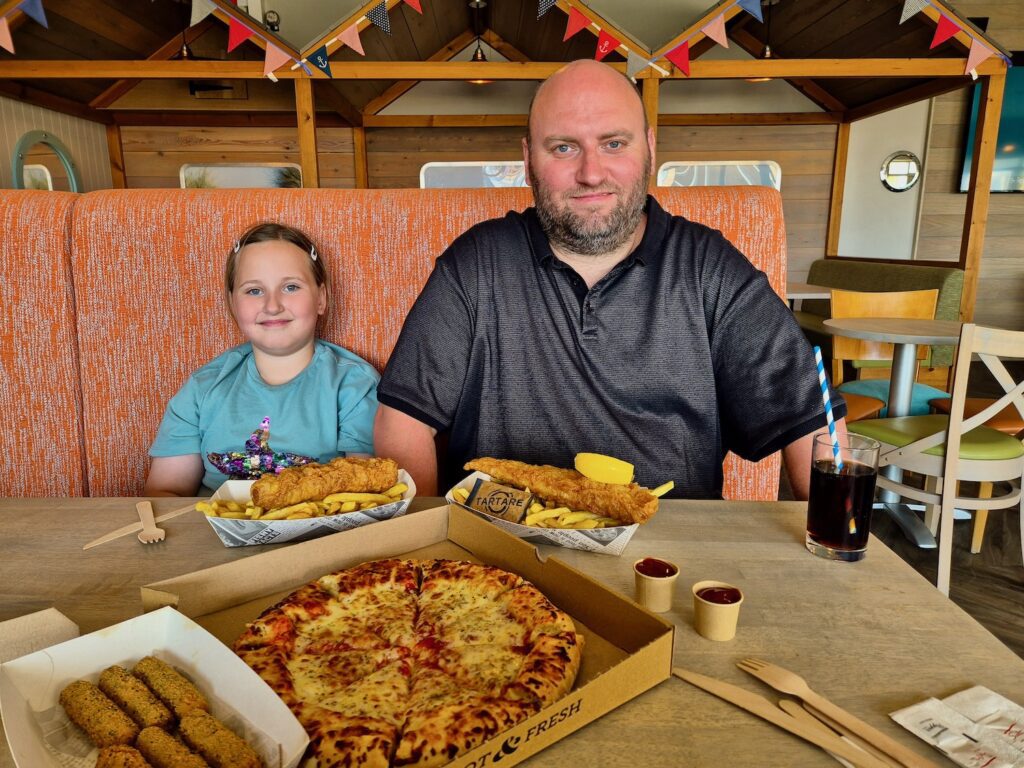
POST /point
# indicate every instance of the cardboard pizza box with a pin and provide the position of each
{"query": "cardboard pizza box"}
(627, 650)
(40, 734)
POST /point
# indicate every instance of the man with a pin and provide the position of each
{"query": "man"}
(597, 322)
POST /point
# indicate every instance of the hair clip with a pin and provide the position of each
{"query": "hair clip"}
(238, 246)
(312, 252)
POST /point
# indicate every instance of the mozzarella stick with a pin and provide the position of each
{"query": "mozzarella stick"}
(219, 745)
(165, 751)
(171, 688)
(97, 715)
(121, 756)
(131, 695)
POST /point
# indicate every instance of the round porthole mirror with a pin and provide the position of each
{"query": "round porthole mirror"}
(900, 171)
(21, 151)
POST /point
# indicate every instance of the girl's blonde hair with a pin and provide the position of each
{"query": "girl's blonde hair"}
(269, 231)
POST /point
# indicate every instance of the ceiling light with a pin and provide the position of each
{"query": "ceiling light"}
(766, 57)
(479, 57)
(477, 3)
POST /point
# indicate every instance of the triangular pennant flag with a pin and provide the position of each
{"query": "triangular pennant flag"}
(945, 29)
(634, 63)
(350, 37)
(577, 21)
(200, 10)
(379, 16)
(275, 58)
(5, 36)
(415, 4)
(238, 33)
(979, 52)
(320, 60)
(543, 6)
(715, 29)
(34, 9)
(680, 56)
(753, 7)
(605, 45)
(911, 7)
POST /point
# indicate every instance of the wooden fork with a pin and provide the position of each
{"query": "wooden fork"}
(784, 681)
(149, 534)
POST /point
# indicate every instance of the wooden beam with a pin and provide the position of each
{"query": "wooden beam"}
(978, 192)
(110, 23)
(818, 68)
(341, 105)
(598, 23)
(649, 97)
(444, 121)
(118, 178)
(221, 119)
(362, 165)
(305, 113)
(330, 39)
(693, 33)
(6, 6)
(444, 53)
(506, 49)
(911, 95)
(753, 118)
(29, 94)
(226, 10)
(835, 205)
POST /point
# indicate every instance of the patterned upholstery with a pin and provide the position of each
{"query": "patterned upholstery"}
(40, 402)
(147, 268)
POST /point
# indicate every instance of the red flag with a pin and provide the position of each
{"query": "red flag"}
(237, 34)
(605, 45)
(943, 31)
(577, 21)
(415, 4)
(350, 37)
(979, 53)
(5, 36)
(680, 56)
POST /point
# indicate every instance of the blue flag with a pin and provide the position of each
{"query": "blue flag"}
(34, 9)
(753, 7)
(320, 60)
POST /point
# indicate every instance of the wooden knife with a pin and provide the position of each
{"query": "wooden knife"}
(136, 526)
(765, 709)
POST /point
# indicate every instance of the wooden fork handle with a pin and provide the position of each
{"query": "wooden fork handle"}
(846, 733)
(145, 510)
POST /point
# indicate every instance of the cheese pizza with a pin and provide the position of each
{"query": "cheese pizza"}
(412, 662)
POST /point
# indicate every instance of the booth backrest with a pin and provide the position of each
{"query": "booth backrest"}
(146, 267)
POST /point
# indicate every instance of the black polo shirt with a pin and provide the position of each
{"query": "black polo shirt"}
(679, 354)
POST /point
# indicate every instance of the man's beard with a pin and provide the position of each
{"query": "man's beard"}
(584, 234)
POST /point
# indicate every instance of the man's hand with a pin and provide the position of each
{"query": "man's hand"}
(409, 442)
(797, 458)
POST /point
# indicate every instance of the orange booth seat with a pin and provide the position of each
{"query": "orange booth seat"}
(114, 298)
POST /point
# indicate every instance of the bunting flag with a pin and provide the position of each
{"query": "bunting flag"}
(350, 37)
(715, 29)
(415, 5)
(945, 29)
(577, 21)
(979, 52)
(753, 7)
(911, 7)
(200, 10)
(634, 63)
(5, 36)
(34, 10)
(680, 56)
(605, 45)
(321, 60)
(543, 6)
(379, 16)
(275, 58)
(238, 33)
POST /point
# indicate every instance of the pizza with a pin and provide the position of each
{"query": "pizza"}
(412, 662)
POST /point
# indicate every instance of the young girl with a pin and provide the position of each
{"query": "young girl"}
(284, 397)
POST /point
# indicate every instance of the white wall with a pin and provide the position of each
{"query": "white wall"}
(878, 223)
(86, 140)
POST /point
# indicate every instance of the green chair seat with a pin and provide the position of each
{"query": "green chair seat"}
(980, 444)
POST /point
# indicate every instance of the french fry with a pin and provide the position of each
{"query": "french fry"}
(396, 490)
(299, 516)
(662, 489)
(570, 518)
(584, 524)
(234, 515)
(206, 508)
(348, 506)
(362, 498)
(283, 512)
(544, 514)
(368, 505)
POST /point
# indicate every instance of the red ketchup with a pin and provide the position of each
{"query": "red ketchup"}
(659, 569)
(720, 595)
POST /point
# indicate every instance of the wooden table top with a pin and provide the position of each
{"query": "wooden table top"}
(873, 636)
(896, 330)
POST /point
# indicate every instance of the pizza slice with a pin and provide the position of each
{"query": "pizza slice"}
(549, 669)
(344, 741)
(528, 607)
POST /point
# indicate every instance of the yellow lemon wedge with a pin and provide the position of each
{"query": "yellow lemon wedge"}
(604, 469)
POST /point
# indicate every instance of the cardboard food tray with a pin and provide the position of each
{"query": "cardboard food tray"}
(606, 541)
(246, 533)
(627, 650)
(40, 734)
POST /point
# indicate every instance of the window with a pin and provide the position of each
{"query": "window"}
(719, 173)
(473, 174)
(38, 177)
(239, 175)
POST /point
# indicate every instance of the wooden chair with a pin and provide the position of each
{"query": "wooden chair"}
(948, 449)
(902, 304)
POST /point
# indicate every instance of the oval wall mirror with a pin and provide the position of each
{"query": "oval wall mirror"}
(900, 171)
(21, 151)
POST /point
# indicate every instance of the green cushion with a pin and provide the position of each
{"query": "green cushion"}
(879, 389)
(980, 444)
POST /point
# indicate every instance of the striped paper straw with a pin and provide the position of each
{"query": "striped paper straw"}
(828, 409)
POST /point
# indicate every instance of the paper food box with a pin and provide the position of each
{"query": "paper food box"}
(244, 533)
(606, 541)
(40, 734)
(626, 650)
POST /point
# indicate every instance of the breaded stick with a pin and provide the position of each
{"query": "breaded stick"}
(312, 482)
(131, 695)
(121, 756)
(628, 503)
(218, 744)
(171, 688)
(165, 751)
(97, 715)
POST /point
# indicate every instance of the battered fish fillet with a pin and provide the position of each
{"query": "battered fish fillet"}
(628, 503)
(311, 482)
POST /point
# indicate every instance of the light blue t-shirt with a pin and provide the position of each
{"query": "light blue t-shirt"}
(325, 412)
